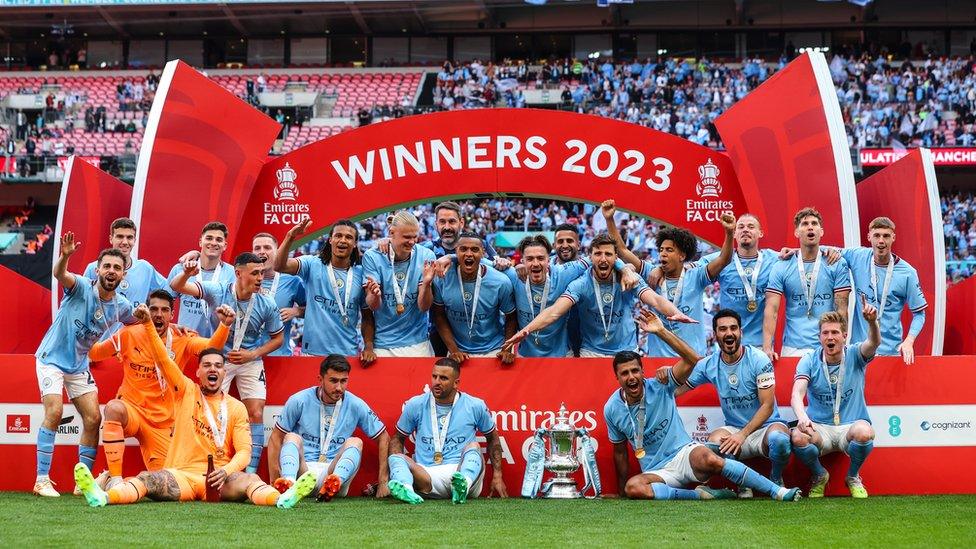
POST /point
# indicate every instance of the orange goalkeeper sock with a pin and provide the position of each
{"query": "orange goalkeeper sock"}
(129, 491)
(260, 493)
(113, 442)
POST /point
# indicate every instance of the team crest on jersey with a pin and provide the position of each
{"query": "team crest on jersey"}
(671, 292)
(733, 379)
(833, 379)
(808, 276)
(98, 314)
(266, 291)
(537, 298)
(607, 298)
(401, 276)
(124, 285)
(467, 296)
(339, 283)
(748, 271)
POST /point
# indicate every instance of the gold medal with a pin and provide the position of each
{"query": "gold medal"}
(752, 306)
(639, 453)
(836, 418)
(400, 308)
(321, 458)
(438, 457)
(219, 453)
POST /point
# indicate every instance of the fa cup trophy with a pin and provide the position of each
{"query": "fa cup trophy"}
(568, 450)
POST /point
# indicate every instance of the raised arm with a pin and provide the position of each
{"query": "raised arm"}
(870, 346)
(840, 302)
(218, 340)
(283, 263)
(664, 306)
(609, 208)
(182, 285)
(425, 294)
(171, 371)
(716, 265)
(68, 247)
(650, 323)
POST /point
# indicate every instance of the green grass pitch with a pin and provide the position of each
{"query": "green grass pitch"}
(930, 521)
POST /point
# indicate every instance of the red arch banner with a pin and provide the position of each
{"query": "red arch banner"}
(490, 152)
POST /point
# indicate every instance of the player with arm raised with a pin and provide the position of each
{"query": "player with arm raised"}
(325, 412)
(195, 314)
(643, 413)
(89, 309)
(256, 315)
(683, 285)
(836, 417)
(809, 288)
(398, 291)
(746, 385)
(143, 407)
(605, 308)
(141, 277)
(469, 301)
(286, 290)
(208, 424)
(447, 458)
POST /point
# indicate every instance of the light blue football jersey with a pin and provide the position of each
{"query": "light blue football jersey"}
(738, 384)
(822, 389)
(495, 298)
(141, 279)
(290, 290)
(265, 319)
(411, 327)
(325, 332)
(664, 433)
(470, 416)
(690, 303)
(903, 288)
(194, 313)
(302, 415)
(622, 334)
(802, 330)
(732, 294)
(80, 322)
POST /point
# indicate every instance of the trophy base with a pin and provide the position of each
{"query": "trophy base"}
(562, 489)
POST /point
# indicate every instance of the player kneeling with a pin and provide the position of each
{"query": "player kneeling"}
(643, 412)
(206, 422)
(447, 458)
(836, 420)
(326, 412)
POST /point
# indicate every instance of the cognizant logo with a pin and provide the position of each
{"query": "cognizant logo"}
(945, 425)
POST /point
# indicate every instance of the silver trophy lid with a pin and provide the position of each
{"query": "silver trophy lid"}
(562, 422)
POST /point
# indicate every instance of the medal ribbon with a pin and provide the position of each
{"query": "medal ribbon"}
(219, 433)
(169, 351)
(749, 286)
(545, 295)
(274, 286)
(240, 324)
(474, 298)
(116, 341)
(840, 382)
(343, 302)
(677, 290)
(439, 435)
(325, 439)
(889, 271)
(398, 292)
(599, 303)
(809, 289)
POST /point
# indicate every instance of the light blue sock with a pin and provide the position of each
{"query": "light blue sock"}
(399, 470)
(472, 464)
(288, 459)
(348, 464)
(737, 472)
(779, 454)
(257, 446)
(859, 452)
(86, 455)
(810, 456)
(663, 491)
(45, 451)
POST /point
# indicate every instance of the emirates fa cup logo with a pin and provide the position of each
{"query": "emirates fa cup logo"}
(709, 186)
(286, 190)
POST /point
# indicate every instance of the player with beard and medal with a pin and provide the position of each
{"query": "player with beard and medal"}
(566, 250)
(681, 284)
(809, 288)
(469, 301)
(644, 415)
(334, 280)
(285, 289)
(606, 318)
(398, 291)
(208, 424)
(141, 278)
(746, 385)
(195, 313)
(88, 311)
(836, 419)
(257, 316)
(325, 412)
(444, 424)
(449, 224)
(143, 407)
(538, 284)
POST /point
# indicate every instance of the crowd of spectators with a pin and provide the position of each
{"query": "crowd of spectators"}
(959, 225)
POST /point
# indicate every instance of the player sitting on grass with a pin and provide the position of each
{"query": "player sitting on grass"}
(325, 412)
(643, 412)
(447, 458)
(207, 422)
(836, 419)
